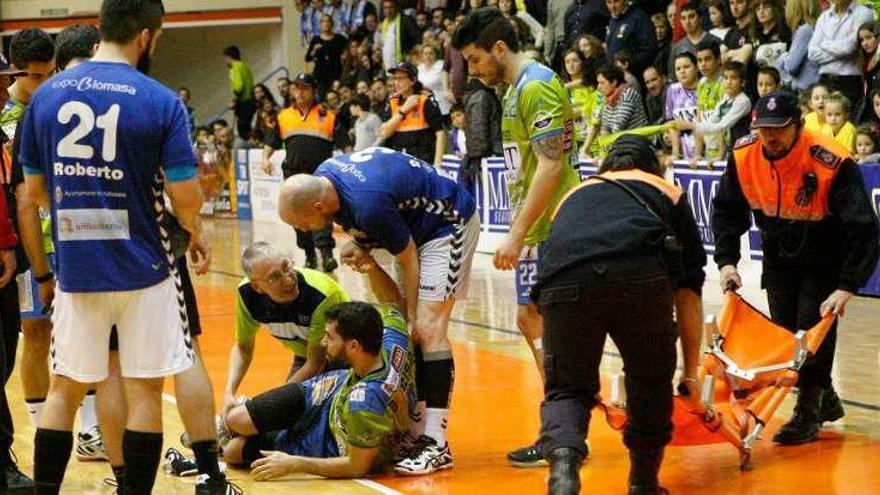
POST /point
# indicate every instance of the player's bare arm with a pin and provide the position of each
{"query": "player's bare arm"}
(277, 464)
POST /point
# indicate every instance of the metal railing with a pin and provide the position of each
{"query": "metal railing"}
(273, 74)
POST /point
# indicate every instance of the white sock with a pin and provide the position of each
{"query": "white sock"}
(435, 424)
(88, 416)
(417, 419)
(35, 410)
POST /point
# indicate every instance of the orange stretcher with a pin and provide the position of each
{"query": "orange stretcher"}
(749, 368)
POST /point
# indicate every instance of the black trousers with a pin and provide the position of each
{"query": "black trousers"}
(794, 295)
(630, 300)
(321, 239)
(10, 324)
(853, 87)
(244, 115)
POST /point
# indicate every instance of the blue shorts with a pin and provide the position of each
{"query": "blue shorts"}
(29, 294)
(527, 272)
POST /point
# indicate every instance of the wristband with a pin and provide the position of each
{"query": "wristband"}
(42, 279)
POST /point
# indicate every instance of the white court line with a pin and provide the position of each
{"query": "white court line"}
(384, 490)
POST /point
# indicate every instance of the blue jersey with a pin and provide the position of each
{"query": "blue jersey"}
(387, 197)
(101, 134)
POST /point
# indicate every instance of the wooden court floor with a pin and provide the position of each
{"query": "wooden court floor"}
(496, 399)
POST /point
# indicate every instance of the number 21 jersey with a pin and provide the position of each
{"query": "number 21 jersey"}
(100, 134)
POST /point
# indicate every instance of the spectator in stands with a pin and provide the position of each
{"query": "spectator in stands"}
(815, 120)
(834, 48)
(366, 123)
(554, 32)
(580, 81)
(737, 47)
(360, 9)
(768, 81)
(325, 51)
(431, 76)
(719, 18)
(522, 18)
(630, 29)
(729, 120)
(310, 21)
(362, 88)
(369, 31)
(872, 112)
(869, 35)
(283, 86)
(837, 124)
(241, 81)
(398, 34)
(663, 35)
(184, 95)
(482, 117)
(710, 92)
(681, 104)
(866, 145)
(770, 35)
(796, 69)
(457, 138)
(378, 95)
(623, 61)
(412, 120)
(455, 70)
(623, 108)
(694, 34)
(592, 49)
(341, 14)
(655, 96)
(585, 17)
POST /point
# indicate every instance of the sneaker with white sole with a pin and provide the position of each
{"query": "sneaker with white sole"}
(178, 464)
(426, 458)
(90, 446)
(527, 457)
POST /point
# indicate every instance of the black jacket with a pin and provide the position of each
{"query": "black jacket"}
(482, 114)
(633, 31)
(845, 241)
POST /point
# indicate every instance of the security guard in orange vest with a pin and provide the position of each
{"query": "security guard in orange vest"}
(412, 121)
(819, 238)
(309, 131)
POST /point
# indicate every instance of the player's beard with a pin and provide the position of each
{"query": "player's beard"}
(143, 64)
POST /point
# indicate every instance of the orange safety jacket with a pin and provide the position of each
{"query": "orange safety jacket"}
(415, 119)
(795, 187)
(308, 139)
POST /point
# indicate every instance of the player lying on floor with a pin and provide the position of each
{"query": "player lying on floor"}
(343, 423)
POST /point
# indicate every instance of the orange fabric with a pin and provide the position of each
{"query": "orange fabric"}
(773, 187)
(672, 192)
(318, 122)
(415, 119)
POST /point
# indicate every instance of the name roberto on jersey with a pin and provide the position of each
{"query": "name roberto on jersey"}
(79, 170)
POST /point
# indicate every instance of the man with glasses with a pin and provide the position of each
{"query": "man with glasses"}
(291, 302)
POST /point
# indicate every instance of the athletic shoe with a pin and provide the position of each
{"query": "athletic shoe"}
(426, 459)
(178, 464)
(527, 457)
(90, 446)
(328, 263)
(16, 481)
(405, 445)
(205, 485)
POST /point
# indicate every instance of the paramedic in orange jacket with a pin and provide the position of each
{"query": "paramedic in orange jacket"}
(819, 238)
(412, 122)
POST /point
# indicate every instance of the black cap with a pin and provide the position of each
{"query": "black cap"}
(407, 68)
(6, 70)
(776, 109)
(305, 80)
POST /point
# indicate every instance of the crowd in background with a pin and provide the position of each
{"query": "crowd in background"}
(685, 73)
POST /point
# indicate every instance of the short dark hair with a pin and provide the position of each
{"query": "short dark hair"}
(456, 107)
(734, 66)
(358, 321)
(623, 57)
(709, 43)
(693, 7)
(184, 88)
(484, 27)
(361, 101)
(611, 73)
(232, 52)
(221, 122)
(772, 72)
(688, 55)
(631, 152)
(31, 45)
(121, 20)
(76, 41)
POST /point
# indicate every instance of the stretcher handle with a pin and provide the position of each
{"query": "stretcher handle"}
(730, 286)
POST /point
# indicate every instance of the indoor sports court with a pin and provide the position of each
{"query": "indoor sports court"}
(497, 396)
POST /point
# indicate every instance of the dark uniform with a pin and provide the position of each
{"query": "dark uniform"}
(818, 233)
(604, 272)
(309, 138)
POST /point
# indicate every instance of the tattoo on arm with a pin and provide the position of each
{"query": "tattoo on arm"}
(549, 147)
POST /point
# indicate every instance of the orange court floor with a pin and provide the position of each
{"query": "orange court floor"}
(496, 402)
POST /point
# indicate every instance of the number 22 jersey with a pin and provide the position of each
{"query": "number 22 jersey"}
(100, 134)
(536, 107)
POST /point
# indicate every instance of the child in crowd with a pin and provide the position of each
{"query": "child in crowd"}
(866, 145)
(367, 123)
(816, 118)
(730, 118)
(623, 60)
(710, 92)
(837, 124)
(768, 80)
(458, 143)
